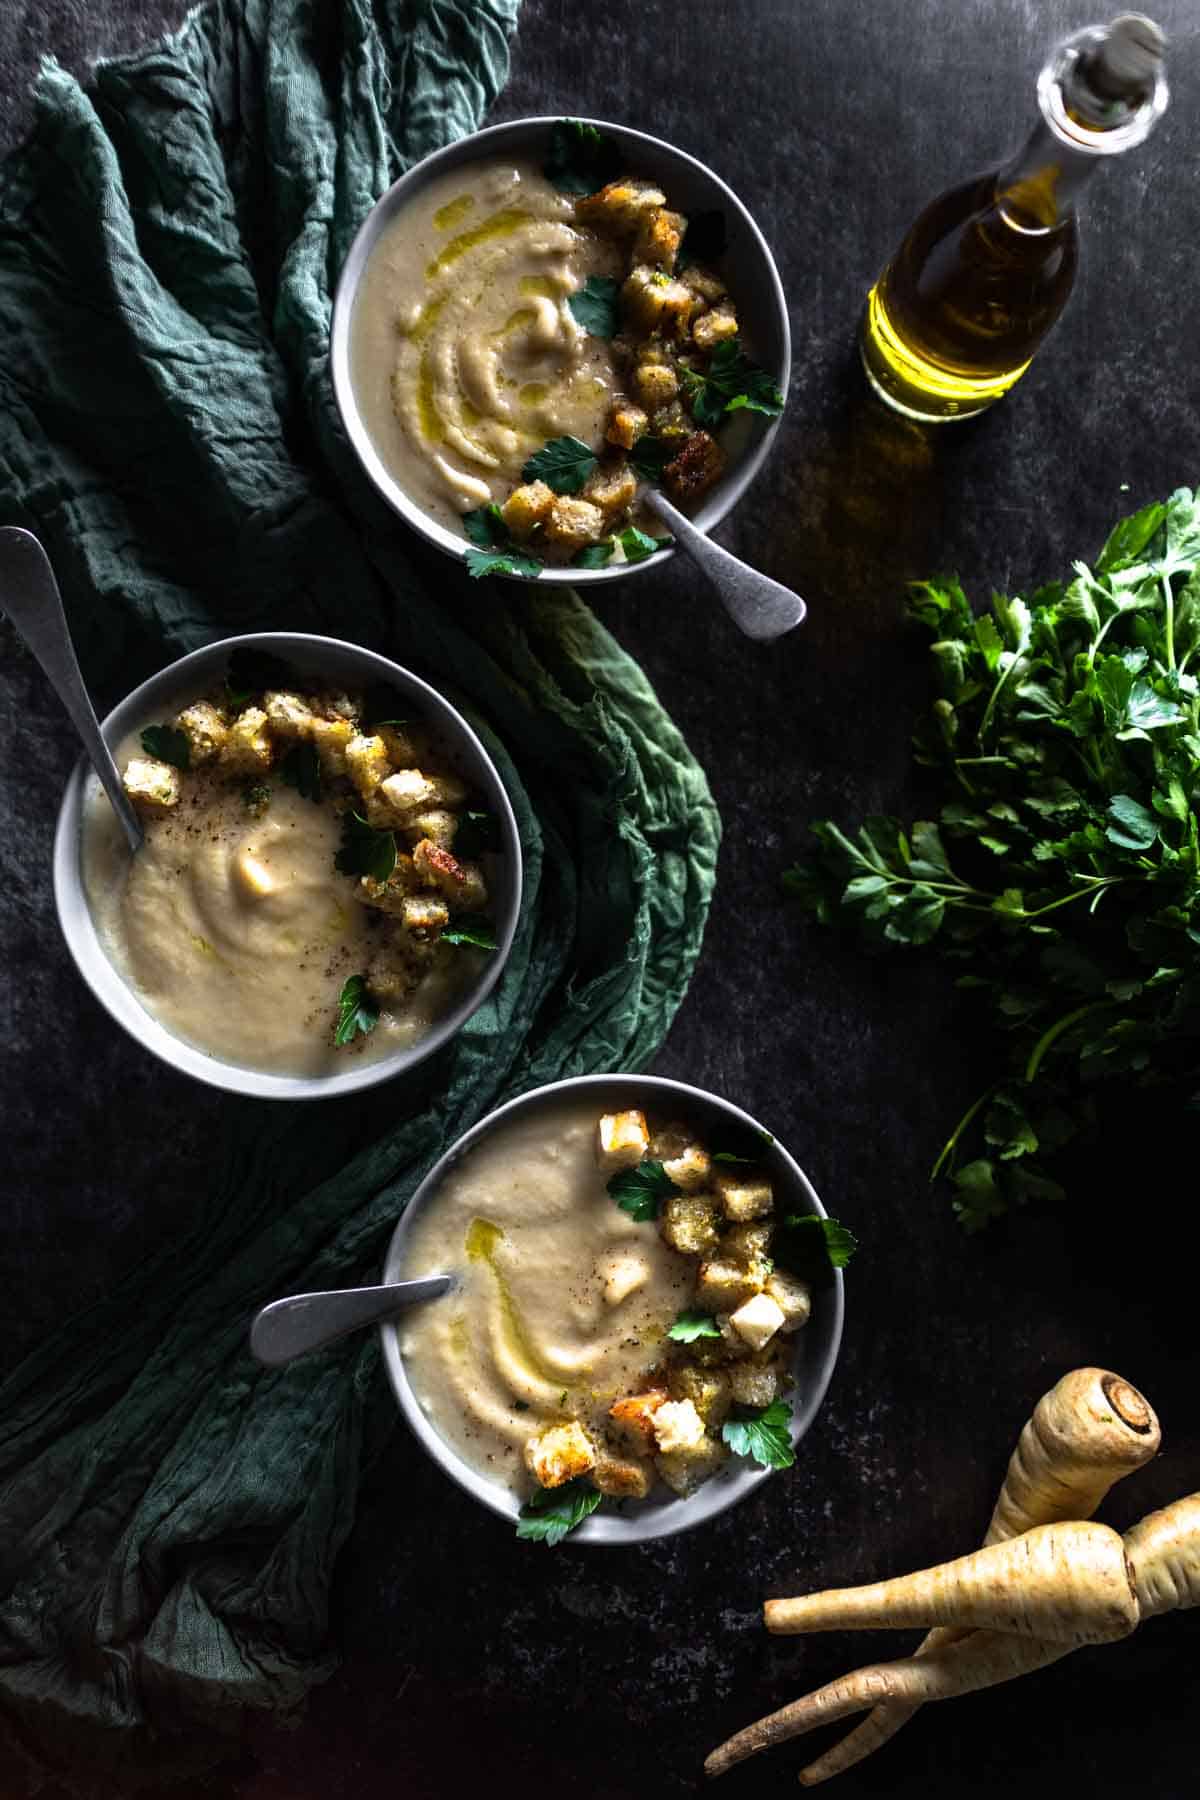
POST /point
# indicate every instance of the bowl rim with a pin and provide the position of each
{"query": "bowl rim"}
(120, 999)
(491, 137)
(658, 1519)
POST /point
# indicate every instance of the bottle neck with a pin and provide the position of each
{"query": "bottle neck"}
(1038, 190)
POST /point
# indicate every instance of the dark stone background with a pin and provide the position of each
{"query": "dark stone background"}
(471, 1659)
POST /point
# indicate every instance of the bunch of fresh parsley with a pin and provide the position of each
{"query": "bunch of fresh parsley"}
(1062, 880)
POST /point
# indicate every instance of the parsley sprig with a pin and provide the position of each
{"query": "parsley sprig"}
(550, 1513)
(731, 383)
(580, 159)
(1061, 879)
(358, 1011)
(763, 1434)
(640, 1191)
(493, 551)
(168, 744)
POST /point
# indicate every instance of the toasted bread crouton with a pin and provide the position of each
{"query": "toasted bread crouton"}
(756, 1382)
(620, 207)
(723, 1286)
(688, 1222)
(205, 731)
(659, 236)
(633, 1417)
(287, 714)
(392, 976)
(707, 1389)
(405, 794)
(621, 1140)
(339, 705)
(744, 1199)
(694, 470)
(461, 883)
(573, 522)
(673, 423)
(248, 750)
(331, 737)
(367, 764)
(757, 1320)
(712, 328)
(622, 1478)
(623, 1272)
(613, 490)
(677, 1425)
(153, 786)
(704, 282)
(424, 915)
(656, 384)
(389, 896)
(686, 1470)
(652, 301)
(626, 424)
(526, 507)
(404, 749)
(792, 1296)
(435, 823)
(748, 1243)
(560, 1454)
(690, 1169)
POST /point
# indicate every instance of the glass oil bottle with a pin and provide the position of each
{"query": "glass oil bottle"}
(955, 318)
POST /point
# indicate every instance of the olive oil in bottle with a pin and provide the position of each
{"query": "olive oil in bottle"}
(956, 317)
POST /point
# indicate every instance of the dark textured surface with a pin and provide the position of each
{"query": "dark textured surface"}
(609, 1674)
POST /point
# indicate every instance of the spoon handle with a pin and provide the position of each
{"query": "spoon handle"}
(303, 1322)
(29, 595)
(760, 607)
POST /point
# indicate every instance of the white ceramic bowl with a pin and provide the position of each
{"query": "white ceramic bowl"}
(334, 662)
(690, 187)
(662, 1515)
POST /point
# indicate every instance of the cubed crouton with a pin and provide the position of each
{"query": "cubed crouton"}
(339, 705)
(707, 1389)
(406, 793)
(688, 1222)
(461, 883)
(757, 1320)
(436, 824)
(331, 737)
(713, 327)
(748, 1243)
(389, 896)
(248, 749)
(723, 1286)
(705, 283)
(626, 424)
(756, 1382)
(560, 1454)
(633, 1417)
(792, 1296)
(743, 1199)
(367, 764)
(621, 1140)
(691, 1169)
(673, 424)
(404, 747)
(205, 731)
(613, 490)
(623, 1272)
(686, 1470)
(526, 507)
(655, 384)
(621, 1478)
(659, 236)
(653, 302)
(573, 522)
(699, 464)
(677, 1425)
(620, 207)
(153, 786)
(425, 915)
(287, 714)
(392, 976)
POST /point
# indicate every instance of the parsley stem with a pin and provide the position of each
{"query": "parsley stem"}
(1169, 621)
(1098, 882)
(951, 1144)
(1055, 1031)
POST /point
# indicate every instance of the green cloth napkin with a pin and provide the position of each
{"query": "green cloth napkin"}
(169, 238)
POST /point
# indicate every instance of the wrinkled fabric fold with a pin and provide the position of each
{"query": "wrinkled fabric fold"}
(169, 240)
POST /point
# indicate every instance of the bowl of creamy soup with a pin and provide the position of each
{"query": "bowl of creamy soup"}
(645, 1317)
(330, 877)
(541, 323)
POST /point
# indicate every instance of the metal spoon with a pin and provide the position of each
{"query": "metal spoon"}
(29, 595)
(760, 607)
(302, 1322)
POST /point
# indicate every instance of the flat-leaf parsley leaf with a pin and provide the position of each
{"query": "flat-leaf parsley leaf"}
(168, 744)
(480, 934)
(691, 1325)
(639, 1191)
(564, 464)
(550, 1513)
(581, 159)
(764, 1435)
(365, 851)
(358, 1011)
(595, 306)
(301, 769)
(731, 383)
